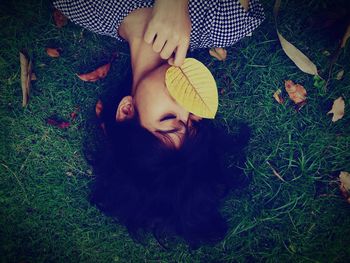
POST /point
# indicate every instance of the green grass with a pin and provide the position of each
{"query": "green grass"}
(45, 215)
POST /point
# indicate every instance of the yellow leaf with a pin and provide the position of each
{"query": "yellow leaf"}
(338, 109)
(26, 75)
(218, 53)
(193, 87)
(299, 59)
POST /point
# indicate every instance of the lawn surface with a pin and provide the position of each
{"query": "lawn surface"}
(45, 215)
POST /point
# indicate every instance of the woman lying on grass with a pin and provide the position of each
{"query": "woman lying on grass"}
(163, 169)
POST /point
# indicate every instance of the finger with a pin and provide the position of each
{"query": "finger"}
(181, 52)
(149, 35)
(168, 50)
(171, 61)
(158, 44)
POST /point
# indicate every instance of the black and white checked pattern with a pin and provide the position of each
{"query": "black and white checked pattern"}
(215, 23)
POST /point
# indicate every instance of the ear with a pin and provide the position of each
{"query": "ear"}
(125, 109)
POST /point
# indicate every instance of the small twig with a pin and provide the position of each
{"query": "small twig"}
(275, 172)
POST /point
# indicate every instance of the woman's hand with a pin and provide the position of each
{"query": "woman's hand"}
(169, 29)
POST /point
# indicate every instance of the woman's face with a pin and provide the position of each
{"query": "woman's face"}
(158, 111)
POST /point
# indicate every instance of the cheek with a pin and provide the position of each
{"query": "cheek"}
(148, 109)
(152, 104)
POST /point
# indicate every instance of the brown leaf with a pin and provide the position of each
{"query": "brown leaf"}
(53, 52)
(98, 108)
(58, 123)
(296, 92)
(338, 109)
(33, 76)
(73, 115)
(344, 178)
(60, 19)
(218, 53)
(26, 75)
(278, 96)
(99, 73)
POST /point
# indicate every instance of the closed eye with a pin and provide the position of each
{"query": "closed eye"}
(167, 117)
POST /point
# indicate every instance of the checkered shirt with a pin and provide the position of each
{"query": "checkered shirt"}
(215, 23)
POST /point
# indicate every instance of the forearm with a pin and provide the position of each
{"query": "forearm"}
(134, 24)
(143, 58)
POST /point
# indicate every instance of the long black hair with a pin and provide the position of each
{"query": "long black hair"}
(152, 188)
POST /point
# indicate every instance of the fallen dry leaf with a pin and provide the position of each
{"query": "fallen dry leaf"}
(98, 108)
(338, 109)
(278, 96)
(26, 76)
(33, 76)
(299, 59)
(344, 186)
(59, 18)
(98, 111)
(58, 123)
(97, 74)
(73, 115)
(346, 36)
(296, 92)
(218, 53)
(340, 75)
(53, 52)
(326, 53)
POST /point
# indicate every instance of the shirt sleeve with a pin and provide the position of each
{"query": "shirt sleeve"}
(100, 16)
(215, 23)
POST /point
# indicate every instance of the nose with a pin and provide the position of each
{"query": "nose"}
(182, 114)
